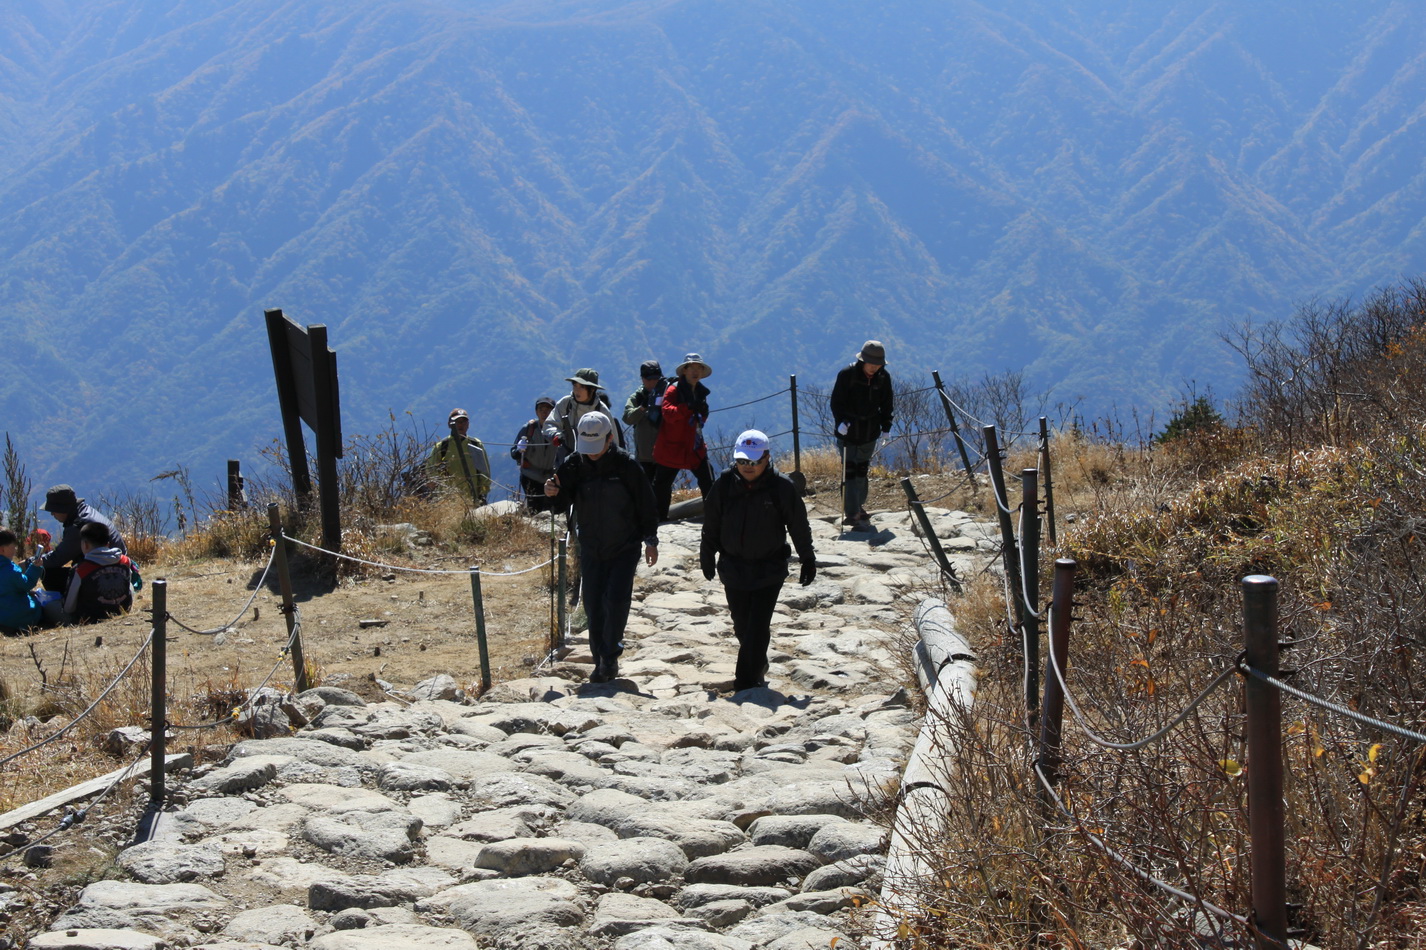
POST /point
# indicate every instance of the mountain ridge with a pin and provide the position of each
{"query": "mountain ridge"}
(478, 197)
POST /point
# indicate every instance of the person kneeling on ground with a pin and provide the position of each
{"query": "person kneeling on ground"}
(72, 513)
(614, 512)
(747, 517)
(18, 608)
(103, 584)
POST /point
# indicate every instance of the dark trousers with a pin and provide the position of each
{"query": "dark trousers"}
(752, 624)
(535, 498)
(608, 587)
(663, 484)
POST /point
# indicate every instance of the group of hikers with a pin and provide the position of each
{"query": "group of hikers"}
(574, 458)
(86, 577)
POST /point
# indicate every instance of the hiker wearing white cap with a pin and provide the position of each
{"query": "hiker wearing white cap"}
(861, 410)
(680, 444)
(614, 516)
(536, 452)
(748, 516)
(459, 461)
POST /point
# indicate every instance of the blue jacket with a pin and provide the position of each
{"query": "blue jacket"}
(18, 608)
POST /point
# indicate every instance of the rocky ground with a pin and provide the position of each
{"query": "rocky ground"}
(657, 811)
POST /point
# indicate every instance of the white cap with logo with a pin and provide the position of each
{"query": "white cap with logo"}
(593, 433)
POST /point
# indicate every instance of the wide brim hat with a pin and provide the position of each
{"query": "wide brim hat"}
(872, 352)
(585, 377)
(60, 500)
(693, 359)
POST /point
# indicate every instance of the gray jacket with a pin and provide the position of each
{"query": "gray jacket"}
(642, 418)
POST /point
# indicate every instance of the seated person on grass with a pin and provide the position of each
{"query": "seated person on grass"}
(18, 608)
(103, 582)
(72, 513)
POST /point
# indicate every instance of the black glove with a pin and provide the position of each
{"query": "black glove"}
(808, 573)
(641, 398)
(709, 565)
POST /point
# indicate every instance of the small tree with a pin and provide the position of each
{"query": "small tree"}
(1194, 416)
(17, 493)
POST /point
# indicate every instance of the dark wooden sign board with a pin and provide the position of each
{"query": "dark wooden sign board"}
(306, 372)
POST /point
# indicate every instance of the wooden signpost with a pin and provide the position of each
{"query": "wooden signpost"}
(306, 372)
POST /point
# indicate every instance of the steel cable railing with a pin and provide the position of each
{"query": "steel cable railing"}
(88, 711)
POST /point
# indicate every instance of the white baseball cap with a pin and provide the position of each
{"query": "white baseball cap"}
(593, 433)
(750, 445)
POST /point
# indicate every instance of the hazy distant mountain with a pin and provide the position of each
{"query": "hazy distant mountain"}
(479, 197)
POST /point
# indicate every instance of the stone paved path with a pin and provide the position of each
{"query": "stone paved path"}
(655, 812)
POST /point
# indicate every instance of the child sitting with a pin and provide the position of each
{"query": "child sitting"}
(103, 582)
(18, 607)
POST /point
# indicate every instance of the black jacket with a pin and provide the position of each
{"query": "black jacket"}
(746, 526)
(864, 404)
(67, 551)
(613, 503)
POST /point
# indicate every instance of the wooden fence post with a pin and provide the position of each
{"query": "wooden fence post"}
(289, 603)
(948, 572)
(1052, 710)
(561, 598)
(1030, 592)
(955, 429)
(479, 600)
(1009, 550)
(1045, 471)
(158, 694)
(1265, 807)
(237, 500)
(798, 479)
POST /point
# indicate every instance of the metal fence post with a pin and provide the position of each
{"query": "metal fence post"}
(1265, 806)
(289, 603)
(1030, 578)
(479, 601)
(1045, 471)
(1052, 710)
(158, 693)
(1009, 551)
(936, 550)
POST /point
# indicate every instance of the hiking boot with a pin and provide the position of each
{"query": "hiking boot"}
(600, 674)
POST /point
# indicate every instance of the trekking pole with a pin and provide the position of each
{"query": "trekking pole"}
(458, 443)
(843, 448)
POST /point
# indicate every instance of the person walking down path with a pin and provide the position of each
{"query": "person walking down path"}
(748, 516)
(614, 516)
(861, 411)
(537, 456)
(642, 413)
(585, 397)
(680, 444)
(18, 608)
(72, 513)
(459, 461)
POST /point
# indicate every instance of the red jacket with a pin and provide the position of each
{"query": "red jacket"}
(680, 440)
